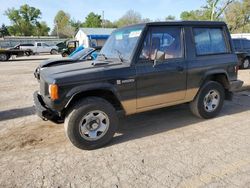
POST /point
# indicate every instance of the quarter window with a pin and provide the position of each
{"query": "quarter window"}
(246, 44)
(209, 41)
(237, 44)
(164, 39)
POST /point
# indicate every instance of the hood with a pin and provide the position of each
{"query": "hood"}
(54, 62)
(77, 72)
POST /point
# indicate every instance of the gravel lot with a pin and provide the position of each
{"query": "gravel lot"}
(162, 148)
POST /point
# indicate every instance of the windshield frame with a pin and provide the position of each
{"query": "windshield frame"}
(90, 50)
(137, 44)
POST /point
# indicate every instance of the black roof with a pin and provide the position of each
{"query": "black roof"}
(187, 23)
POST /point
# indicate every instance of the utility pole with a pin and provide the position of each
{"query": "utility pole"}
(103, 21)
(57, 30)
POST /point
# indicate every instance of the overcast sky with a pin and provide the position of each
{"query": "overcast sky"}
(113, 9)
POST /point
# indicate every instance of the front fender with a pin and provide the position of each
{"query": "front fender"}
(91, 87)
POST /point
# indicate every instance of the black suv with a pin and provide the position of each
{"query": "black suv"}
(140, 68)
(242, 48)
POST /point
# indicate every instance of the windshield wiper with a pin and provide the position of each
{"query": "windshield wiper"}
(103, 55)
(119, 55)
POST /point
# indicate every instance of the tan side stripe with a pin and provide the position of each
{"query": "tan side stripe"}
(158, 101)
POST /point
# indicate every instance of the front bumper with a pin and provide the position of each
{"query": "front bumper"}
(37, 73)
(235, 85)
(43, 111)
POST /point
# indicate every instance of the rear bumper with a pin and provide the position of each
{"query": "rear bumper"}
(43, 112)
(235, 85)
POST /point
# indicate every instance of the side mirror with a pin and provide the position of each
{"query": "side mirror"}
(159, 56)
(89, 57)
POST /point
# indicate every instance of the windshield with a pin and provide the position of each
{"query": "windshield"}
(81, 53)
(122, 43)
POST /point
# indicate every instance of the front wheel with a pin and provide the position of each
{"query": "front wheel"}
(91, 123)
(209, 101)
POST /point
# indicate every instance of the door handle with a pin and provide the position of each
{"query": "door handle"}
(179, 68)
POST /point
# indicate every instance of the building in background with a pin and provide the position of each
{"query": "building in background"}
(241, 35)
(90, 37)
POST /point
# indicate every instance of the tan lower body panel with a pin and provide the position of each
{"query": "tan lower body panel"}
(158, 101)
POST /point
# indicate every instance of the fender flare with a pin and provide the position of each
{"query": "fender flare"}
(213, 72)
(90, 87)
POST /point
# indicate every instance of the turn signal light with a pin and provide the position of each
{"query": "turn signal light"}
(53, 91)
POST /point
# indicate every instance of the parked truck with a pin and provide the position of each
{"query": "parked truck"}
(141, 68)
(5, 54)
(40, 47)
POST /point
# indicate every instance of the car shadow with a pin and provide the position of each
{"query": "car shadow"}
(166, 119)
(16, 113)
(28, 59)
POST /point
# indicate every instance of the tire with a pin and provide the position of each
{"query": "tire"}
(246, 63)
(64, 54)
(4, 57)
(53, 51)
(86, 135)
(28, 53)
(210, 91)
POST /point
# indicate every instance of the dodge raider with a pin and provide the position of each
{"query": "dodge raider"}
(141, 67)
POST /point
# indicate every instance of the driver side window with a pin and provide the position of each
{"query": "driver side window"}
(162, 39)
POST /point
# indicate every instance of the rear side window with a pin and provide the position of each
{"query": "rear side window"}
(246, 44)
(39, 44)
(209, 41)
(237, 43)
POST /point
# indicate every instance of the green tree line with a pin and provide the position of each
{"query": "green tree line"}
(26, 20)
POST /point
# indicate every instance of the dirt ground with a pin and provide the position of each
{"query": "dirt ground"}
(163, 148)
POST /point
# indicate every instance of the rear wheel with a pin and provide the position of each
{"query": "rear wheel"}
(64, 54)
(53, 51)
(4, 57)
(246, 63)
(209, 101)
(28, 53)
(91, 123)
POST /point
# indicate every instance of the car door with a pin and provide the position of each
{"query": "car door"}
(45, 48)
(164, 82)
(39, 48)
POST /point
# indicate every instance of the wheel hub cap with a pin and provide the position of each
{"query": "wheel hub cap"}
(94, 125)
(211, 100)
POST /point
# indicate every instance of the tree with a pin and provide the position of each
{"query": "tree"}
(238, 16)
(108, 24)
(4, 31)
(170, 17)
(25, 20)
(76, 24)
(130, 17)
(194, 15)
(213, 10)
(42, 29)
(61, 21)
(64, 25)
(93, 20)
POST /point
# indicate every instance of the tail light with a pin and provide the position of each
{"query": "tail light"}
(236, 68)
